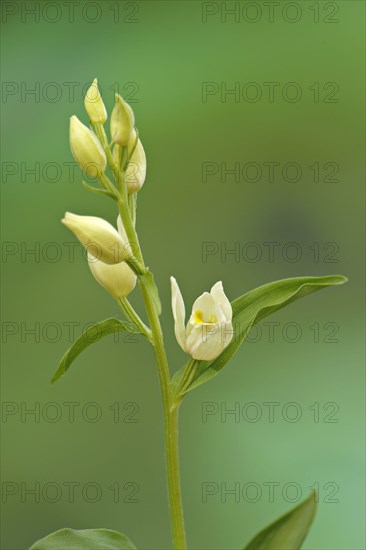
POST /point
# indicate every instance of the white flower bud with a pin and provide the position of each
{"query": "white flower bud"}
(99, 237)
(86, 149)
(118, 279)
(94, 104)
(122, 122)
(136, 170)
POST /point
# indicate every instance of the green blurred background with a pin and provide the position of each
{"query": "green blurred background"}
(159, 55)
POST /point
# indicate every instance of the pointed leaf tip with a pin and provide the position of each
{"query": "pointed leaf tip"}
(289, 531)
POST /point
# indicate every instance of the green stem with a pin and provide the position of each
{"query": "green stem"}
(170, 428)
(170, 412)
(108, 186)
(187, 377)
(99, 129)
(134, 317)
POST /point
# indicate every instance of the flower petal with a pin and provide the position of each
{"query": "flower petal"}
(205, 342)
(219, 295)
(205, 303)
(179, 314)
(208, 308)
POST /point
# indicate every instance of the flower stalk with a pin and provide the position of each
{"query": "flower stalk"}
(170, 427)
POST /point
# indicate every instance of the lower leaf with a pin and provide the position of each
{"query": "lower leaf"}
(90, 336)
(86, 539)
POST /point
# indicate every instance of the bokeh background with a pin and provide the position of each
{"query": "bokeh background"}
(160, 56)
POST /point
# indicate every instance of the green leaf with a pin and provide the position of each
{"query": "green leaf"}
(90, 336)
(147, 279)
(248, 310)
(99, 191)
(289, 531)
(86, 539)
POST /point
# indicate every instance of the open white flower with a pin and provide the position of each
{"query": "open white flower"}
(209, 329)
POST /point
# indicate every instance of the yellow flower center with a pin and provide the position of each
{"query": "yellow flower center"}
(199, 319)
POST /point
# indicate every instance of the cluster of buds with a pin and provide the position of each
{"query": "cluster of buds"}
(108, 249)
(209, 329)
(89, 152)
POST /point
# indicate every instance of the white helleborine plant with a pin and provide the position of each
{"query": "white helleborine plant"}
(209, 329)
(86, 149)
(99, 237)
(208, 334)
